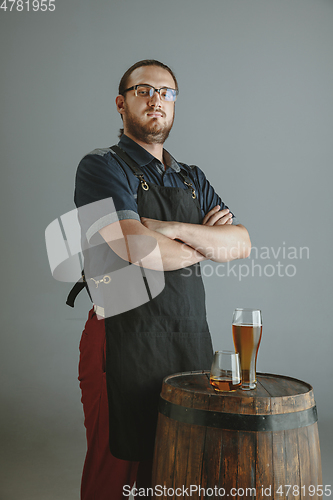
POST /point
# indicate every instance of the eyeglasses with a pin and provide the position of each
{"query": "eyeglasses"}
(166, 94)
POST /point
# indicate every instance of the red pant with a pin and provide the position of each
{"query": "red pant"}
(103, 475)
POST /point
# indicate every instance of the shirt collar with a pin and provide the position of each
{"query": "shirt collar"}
(170, 161)
(142, 157)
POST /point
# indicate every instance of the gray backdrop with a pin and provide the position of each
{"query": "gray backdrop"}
(255, 112)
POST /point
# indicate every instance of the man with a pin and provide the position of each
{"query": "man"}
(124, 357)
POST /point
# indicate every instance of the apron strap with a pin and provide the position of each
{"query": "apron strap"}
(184, 176)
(132, 165)
(188, 182)
(77, 288)
(128, 160)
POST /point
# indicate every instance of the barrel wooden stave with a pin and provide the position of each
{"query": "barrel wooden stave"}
(264, 459)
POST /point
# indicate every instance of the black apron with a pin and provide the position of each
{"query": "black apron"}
(168, 334)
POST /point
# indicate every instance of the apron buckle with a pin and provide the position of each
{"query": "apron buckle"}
(190, 185)
(144, 184)
(106, 279)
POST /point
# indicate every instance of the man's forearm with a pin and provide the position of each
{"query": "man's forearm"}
(172, 254)
(220, 243)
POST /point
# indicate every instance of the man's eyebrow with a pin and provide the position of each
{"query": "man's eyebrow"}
(149, 85)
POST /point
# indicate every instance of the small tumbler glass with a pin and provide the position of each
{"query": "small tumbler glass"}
(225, 371)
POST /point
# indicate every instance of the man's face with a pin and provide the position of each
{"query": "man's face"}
(148, 119)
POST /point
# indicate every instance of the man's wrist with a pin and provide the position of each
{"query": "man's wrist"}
(177, 230)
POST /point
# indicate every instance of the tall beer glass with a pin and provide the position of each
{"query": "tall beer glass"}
(246, 332)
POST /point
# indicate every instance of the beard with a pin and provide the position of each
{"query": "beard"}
(149, 133)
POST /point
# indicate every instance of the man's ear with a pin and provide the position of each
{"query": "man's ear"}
(120, 100)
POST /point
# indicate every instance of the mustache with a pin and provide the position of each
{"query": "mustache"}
(152, 109)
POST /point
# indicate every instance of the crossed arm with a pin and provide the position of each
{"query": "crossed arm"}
(181, 244)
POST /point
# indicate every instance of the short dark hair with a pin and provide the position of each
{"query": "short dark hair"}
(146, 62)
(123, 84)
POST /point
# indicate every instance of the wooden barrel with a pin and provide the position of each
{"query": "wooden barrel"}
(260, 444)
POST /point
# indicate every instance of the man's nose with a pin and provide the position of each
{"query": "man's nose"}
(155, 100)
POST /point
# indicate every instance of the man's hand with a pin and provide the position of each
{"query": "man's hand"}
(217, 217)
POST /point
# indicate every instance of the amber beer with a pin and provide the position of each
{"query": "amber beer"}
(247, 340)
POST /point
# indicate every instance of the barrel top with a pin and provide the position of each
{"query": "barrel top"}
(274, 394)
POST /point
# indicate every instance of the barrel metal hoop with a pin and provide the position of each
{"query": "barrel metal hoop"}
(237, 421)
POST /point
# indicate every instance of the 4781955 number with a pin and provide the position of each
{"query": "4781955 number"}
(310, 490)
(27, 5)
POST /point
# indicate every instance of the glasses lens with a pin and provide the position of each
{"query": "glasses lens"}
(168, 94)
(148, 91)
(144, 90)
